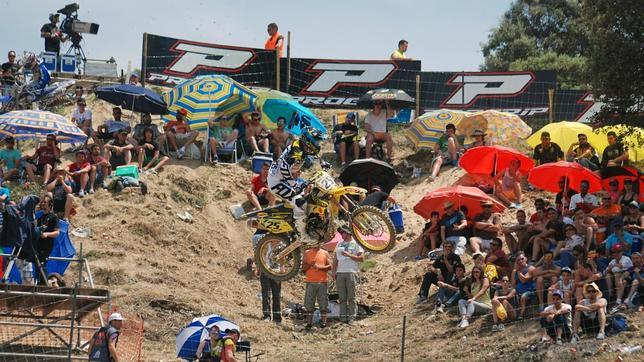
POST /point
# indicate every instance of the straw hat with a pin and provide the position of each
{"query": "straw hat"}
(478, 132)
(59, 168)
(593, 286)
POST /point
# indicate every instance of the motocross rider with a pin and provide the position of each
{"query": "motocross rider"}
(40, 78)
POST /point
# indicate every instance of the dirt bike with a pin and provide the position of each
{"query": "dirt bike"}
(278, 253)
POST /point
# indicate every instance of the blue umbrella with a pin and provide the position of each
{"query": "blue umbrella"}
(137, 99)
(26, 125)
(189, 338)
(295, 114)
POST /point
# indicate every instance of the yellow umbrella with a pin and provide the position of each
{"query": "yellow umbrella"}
(629, 137)
(503, 128)
(425, 131)
(564, 133)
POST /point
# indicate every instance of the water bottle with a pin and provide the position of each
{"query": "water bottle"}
(316, 316)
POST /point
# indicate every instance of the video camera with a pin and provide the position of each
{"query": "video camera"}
(74, 27)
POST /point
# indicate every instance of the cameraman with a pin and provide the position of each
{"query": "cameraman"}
(52, 34)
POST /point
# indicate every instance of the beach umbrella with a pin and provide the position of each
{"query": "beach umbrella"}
(36, 125)
(502, 128)
(469, 197)
(565, 133)
(204, 97)
(134, 98)
(547, 176)
(491, 159)
(367, 172)
(425, 130)
(397, 98)
(296, 115)
(188, 338)
(620, 174)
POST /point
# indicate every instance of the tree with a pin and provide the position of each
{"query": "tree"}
(540, 35)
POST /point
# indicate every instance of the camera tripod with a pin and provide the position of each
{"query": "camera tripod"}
(79, 53)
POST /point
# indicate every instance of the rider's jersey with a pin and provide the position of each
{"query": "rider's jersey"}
(281, 181)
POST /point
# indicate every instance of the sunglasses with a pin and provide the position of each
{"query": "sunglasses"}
(505, 281)
(591, 291)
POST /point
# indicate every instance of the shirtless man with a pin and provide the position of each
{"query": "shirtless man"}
(257, 134)
(583, 275)
(280, 137)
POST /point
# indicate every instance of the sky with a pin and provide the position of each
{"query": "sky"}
(445, 35)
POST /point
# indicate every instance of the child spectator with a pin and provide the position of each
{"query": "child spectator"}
(565, 284)
(258, 194)
(429, 238)
(150, 159)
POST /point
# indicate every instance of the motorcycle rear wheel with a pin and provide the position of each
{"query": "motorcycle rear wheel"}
(373, 230)
(268, 247)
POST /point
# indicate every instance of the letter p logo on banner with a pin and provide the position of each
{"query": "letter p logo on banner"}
(472, 86)
(333, 74)
(196, 56)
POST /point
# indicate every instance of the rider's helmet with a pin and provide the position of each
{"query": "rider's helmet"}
(310, 140)
(29, 59)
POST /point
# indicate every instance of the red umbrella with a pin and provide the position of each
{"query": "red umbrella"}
(469, 197)
(547, 176)
(488, 159)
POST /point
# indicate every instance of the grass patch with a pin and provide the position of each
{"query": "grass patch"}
(367, 264)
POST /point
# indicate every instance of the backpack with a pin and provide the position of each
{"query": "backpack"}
(616, 323)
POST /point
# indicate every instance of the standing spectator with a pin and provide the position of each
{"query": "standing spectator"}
(258, 194)
(135, 79)
(79, 172)
(275, 39)
(441, 270)
(61, 190)
(9, 72)
(524, 282)
(257, 134)
(110, 129)
(617, 272)
(347, 138)
(9, 159)
(53, 36)
(498, 258)
(100, 167)
(401, 53)
(150, 159)
(590, 313)
(280, 137)
(375, 123)
(556, 320)
(316, 265)
(46, 158)
(615, 154)
(117, 151)
(49, 229)
(522, 231)
(445, 151)
(271, 290)
(178, 133)
(487, 226)
(82, 117)
(583, 199)
(547, 151)
(584, 153)
(508, 185)
(346, 267)
(479, 301)
(505, 296)
(429, 238)
(103, 344)
(454, 227)
(451, 290)
(627, 196)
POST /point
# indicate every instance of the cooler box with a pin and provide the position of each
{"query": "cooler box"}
(49, 59)
(129, 170)
(68, 63)
(259, 158)
(396, 216)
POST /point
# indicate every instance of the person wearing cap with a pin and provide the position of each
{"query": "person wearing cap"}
(487, 225)
(556, 319)
(103, 345)
(60, 189)
(179, 135)
(225, 348)
(280, 137)
(375, 123)
(346, 267)
(46, 158)
(583, 199)
(82, 117)
(454, 227)
(565, 284)
(9, 159)
(616, 153)
(257, 134)
(442, 269)
(110, 129)
(584, 153)
(445, 151)
(547, 151)
(479, 139)
(134, 79)
(627, 195)
(79, 172)
(634, 219)
(590, 313)
(117, 151)
(617, 273)
(52, 34)
(346, 138)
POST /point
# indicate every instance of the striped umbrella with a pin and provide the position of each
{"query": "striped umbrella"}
(27, 125)
(204, 96)
(503, 128)
(189, 338)
(425, 131)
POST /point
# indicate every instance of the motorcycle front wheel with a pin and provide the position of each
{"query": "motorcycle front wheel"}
(268, 248)
(372, 228)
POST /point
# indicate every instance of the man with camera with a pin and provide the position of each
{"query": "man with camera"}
(52, 34)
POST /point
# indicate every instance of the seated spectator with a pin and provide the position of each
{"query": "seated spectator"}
(347, 138)
(82, 117)
(452, 290)
(207, 348)
(110, 129)
(46, 158)
(221, 136)
(539, 205)
(562, 199)
(445, 151)
(257, 135)
(150, 159)
(547, 151)
(498, 258)
(79, 172)
(523, 281)
(134, 79)
(565, 284)
(56, 280)
(100, 167)
(615, 154)
(376, 197)
(549, 235)
(517, 235)
(60, 190)
(258, 194)
(505, 296)
(375, 123)
(556, 320)
(429, 238)
(5, 198)
(9, 160)
(178, 134)
(146, 123)
(563, 251)
(454, 227)
(622, 238)
(635, 280)
(605, 214)
(590, 313)
(617, 272)
(584, 274)
(442, 269)
(613, 191)
(584, 153)
(478, 302)
(634, 219)
(583, 199)
(487, 226)
(280, 137)
(546, 274)
(479, 139)
(627, 195)
(586, 227)
(117, 151)
(508, 185)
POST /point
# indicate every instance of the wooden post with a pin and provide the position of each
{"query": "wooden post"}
(402, 342)
(417, 95)
(277, 69)
(288, 61)
(551, 105)
(144, 61)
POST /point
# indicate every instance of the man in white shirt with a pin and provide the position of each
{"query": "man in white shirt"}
(82, 117)
(583, 199)
(556, 320)
(346, 266)
(376, 126)
(617, 273)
